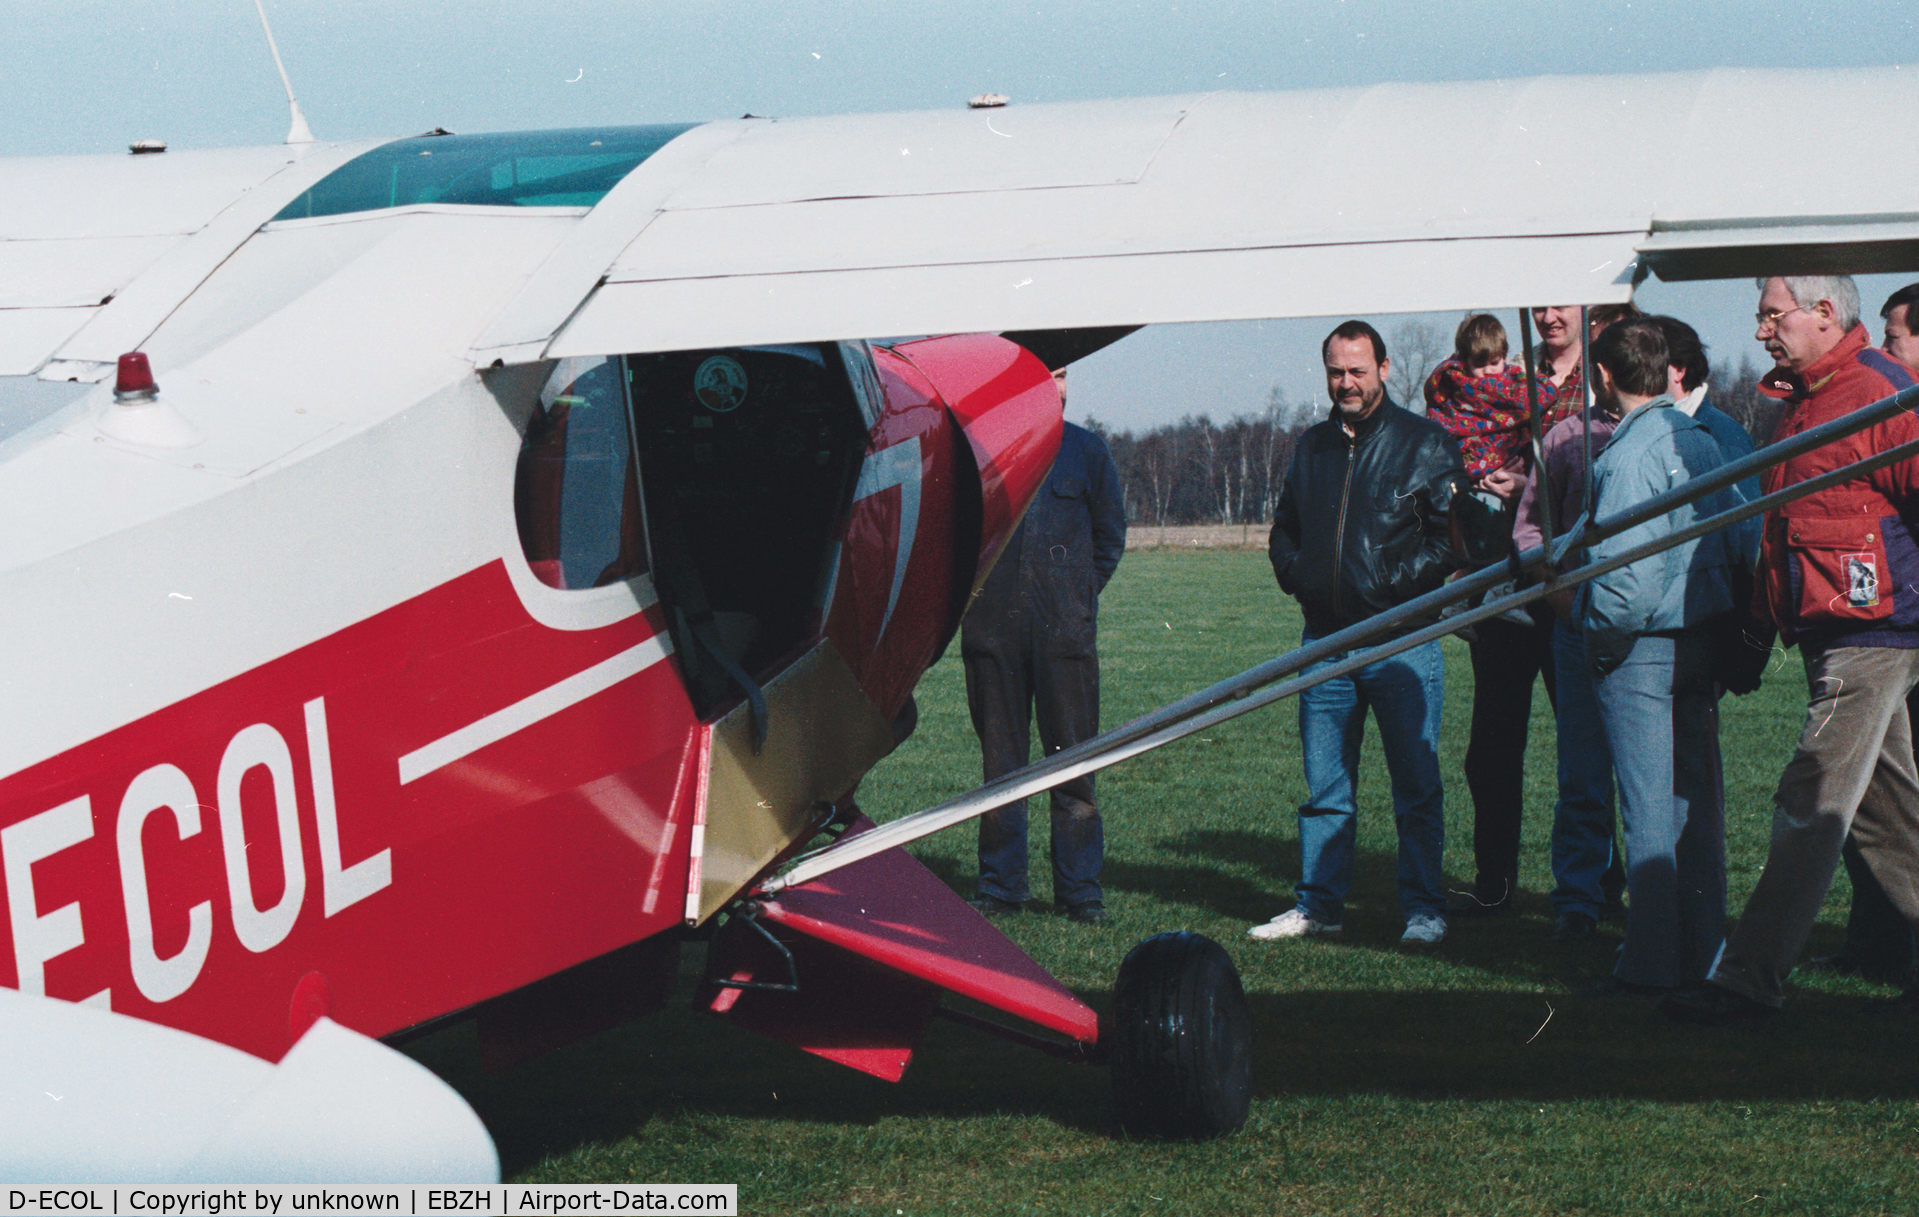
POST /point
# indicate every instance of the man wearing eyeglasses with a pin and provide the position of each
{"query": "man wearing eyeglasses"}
(1836, 575)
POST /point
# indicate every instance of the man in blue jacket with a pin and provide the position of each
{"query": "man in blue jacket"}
(1686, 381)
(1648, 630)
(1029, 647)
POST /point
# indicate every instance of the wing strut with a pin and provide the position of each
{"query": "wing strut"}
(1269, 682)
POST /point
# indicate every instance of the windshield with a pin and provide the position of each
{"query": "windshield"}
(571, 168)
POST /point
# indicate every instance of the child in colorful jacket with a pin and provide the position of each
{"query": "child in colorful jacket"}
(1481, 401)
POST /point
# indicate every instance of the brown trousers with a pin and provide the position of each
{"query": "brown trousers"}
(1854, 769)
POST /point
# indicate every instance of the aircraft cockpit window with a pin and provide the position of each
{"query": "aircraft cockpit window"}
(575, 494)
(570, 168)
(864, 380)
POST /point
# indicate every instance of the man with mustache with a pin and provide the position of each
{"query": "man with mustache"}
(1362, 526)
(1836, 574)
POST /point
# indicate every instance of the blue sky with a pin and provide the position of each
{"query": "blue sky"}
(92, 75)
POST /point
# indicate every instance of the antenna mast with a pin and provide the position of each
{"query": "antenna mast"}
(299, 133)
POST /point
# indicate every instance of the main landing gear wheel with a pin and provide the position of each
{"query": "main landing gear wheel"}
(1182, 1054)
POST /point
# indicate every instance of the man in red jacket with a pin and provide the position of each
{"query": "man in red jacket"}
(1836, 575)
(1878, 943)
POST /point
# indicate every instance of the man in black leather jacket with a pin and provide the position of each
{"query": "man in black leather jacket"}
(1029, 647)
(1361, 527)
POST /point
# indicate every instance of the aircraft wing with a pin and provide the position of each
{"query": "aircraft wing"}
(1389, 198)
(97, 251)
(1224, 206)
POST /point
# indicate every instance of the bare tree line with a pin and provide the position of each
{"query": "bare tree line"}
(1197, 471)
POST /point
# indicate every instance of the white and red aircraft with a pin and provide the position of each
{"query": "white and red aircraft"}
(441, 574)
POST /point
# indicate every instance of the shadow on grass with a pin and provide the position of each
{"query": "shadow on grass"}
(1518, 944)
(709, 1078)
(1535, 1046)
(701, 1072)
(1273, 858)
(1203, 887)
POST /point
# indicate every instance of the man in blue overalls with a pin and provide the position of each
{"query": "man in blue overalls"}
(1029, 647)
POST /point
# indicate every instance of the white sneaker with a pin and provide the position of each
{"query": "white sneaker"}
(1293, 923)
(1423, 930)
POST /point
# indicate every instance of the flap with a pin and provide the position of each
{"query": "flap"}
(1201, 285)
(1863, 245)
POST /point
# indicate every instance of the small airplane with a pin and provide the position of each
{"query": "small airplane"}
(444, 574)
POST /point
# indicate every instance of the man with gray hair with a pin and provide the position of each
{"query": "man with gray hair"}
(1836, 575)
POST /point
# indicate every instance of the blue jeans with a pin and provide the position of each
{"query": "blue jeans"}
(1406, 694)
(1583, 816)
(1662, 721)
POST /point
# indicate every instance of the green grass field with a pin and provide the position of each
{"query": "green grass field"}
(1468, 1079)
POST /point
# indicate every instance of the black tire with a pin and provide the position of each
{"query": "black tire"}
(1182, 1036)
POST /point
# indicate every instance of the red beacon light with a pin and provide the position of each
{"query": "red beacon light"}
(138, 416)
(135, 382)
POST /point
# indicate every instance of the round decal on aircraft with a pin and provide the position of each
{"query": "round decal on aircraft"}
(720, 384)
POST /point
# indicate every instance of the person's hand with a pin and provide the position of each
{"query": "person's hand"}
(1503, 482)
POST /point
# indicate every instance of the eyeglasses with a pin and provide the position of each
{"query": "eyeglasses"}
(1769, 317)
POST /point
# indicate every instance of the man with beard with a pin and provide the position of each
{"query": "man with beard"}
(1362, 526)
(1836, 574)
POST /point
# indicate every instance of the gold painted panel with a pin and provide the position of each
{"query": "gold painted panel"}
(822, 734)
